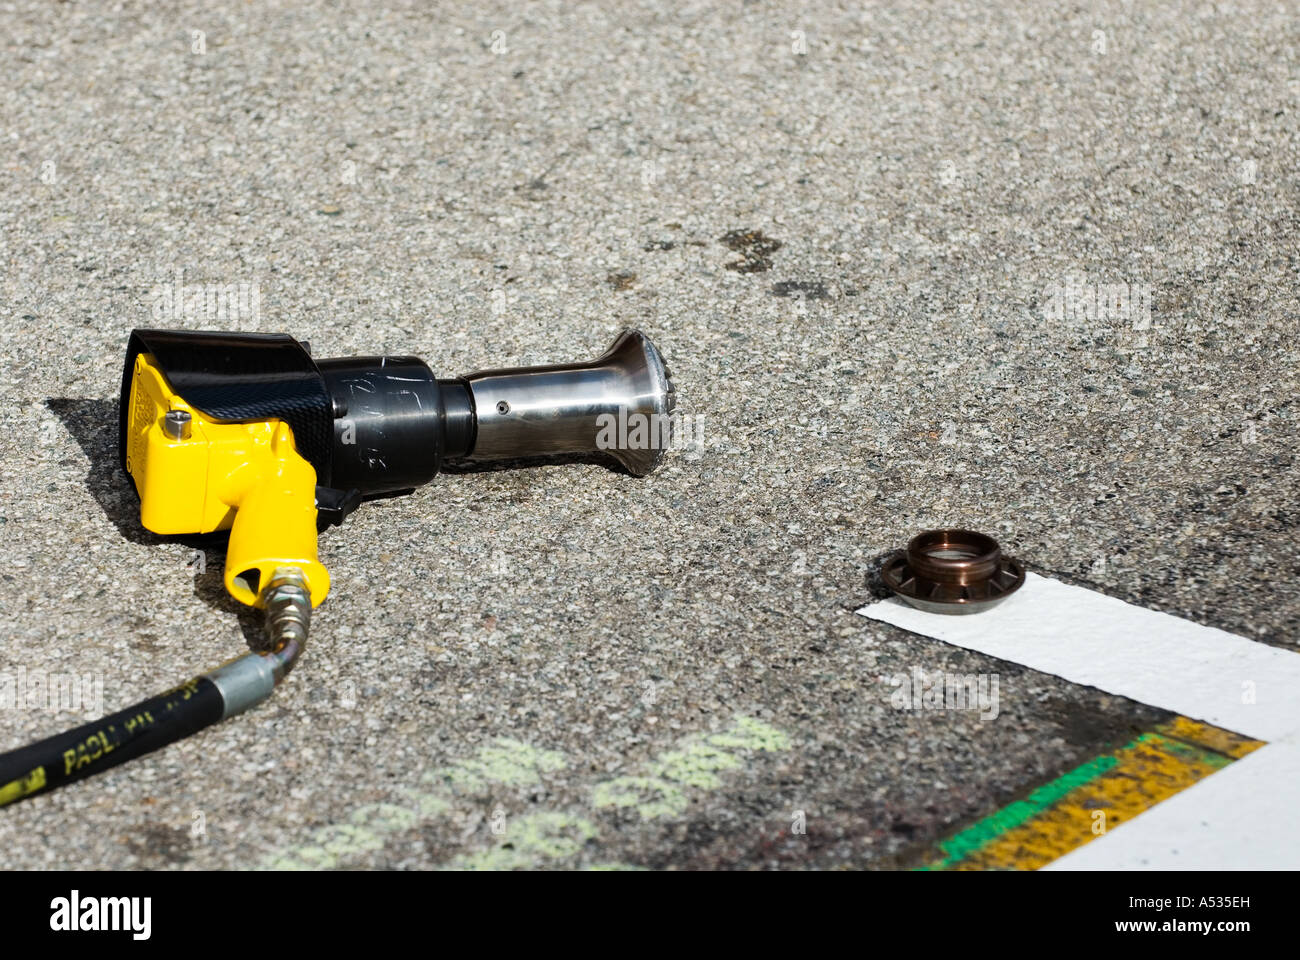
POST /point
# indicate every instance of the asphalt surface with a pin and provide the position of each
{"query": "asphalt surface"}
(848, 257)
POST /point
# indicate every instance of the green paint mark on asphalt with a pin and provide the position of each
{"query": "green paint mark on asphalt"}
(695, 765)
(651, 796)
(1062, 816)
(966, 842)
(425, 805)
(508, 763)
(504, 762)
(973, 838)
(538, 839)
(550, 835)
(1192, 753)
(746, 733)
(385, 817)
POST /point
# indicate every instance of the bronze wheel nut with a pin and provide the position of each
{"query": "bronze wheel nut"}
(953, 571)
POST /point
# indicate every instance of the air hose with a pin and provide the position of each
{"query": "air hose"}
(228, 690)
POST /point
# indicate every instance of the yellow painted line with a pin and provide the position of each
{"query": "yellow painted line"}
(1211, 738)
(1095, 798)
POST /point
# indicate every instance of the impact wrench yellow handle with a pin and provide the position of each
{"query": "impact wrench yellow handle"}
(198, 475)
(275, 525)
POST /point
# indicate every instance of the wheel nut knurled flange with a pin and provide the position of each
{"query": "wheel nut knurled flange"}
(953, 571)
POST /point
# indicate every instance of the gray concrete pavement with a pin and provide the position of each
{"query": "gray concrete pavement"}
(542, 650)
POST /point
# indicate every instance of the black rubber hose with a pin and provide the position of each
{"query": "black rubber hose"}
(104, 743)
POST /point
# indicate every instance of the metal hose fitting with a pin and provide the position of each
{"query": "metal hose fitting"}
(287, 602)
(248, 680)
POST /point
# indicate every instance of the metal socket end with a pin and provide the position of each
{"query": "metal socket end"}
(953, 572)
(618, 404)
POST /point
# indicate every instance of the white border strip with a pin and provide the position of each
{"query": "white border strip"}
(1241, 817)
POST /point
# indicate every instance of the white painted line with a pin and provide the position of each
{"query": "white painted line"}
(1087, 637)
(1239, 818)
(1242, 817)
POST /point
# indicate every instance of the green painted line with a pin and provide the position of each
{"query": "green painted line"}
(963, 844)
(1193, 753)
